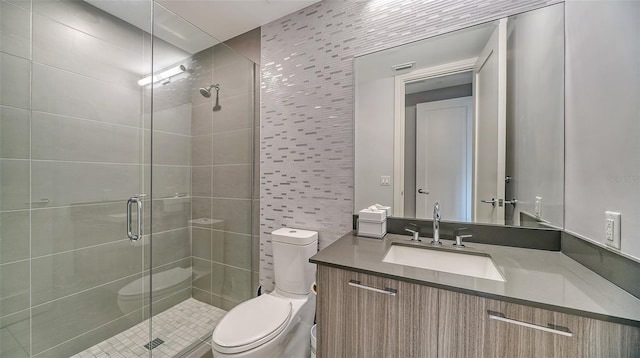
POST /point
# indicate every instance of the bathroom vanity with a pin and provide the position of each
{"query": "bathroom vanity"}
(547, 306)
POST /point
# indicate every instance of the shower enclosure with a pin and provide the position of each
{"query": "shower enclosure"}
(126, 196)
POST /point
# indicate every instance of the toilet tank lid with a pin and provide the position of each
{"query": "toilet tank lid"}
(294, 236)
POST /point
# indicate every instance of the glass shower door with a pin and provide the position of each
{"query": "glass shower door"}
(126, 193)
(74, 149)
(202, 176)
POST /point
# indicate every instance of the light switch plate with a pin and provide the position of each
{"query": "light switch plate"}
(612, 229)
(385, 180)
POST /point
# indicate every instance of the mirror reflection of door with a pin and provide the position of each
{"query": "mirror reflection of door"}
(443, 158)
(490, 129)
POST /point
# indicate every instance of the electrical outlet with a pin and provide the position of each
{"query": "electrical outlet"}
(385, 180)
(612, 229)
(538, 207)
(608, 229)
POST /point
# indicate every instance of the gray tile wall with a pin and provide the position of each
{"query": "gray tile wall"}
(72, 132)
(222, 178)
(306, 177)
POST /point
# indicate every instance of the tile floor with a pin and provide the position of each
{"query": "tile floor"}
(180, 327)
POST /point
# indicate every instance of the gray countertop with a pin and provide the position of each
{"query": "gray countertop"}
(546, 279)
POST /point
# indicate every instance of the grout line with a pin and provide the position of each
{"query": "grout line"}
(11, 106)
(85, 162)
(15, 313)
(143, 164)
(16, 56)
(87, 289)
(222, 264)
(117, 85)
(220, 197)
(14, 210)
(15, 262)
(223, 231)
(212, 133)
(16, 159)
(118, 241)
(137, 128)
(30, 178)
(108, 202)
(221, 165)
(229, 298)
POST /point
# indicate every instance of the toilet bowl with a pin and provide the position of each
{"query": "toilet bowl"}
(275, 324)
(165, 283)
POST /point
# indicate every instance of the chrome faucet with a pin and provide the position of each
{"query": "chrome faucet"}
(436, 224)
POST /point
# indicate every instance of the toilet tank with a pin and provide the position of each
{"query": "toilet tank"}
(292, 249)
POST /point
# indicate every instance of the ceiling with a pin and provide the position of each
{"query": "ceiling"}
(224, 19)
(459, 45)
(215, 20)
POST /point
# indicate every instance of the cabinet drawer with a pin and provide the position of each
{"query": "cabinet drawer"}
(362, 315)
(472, 326)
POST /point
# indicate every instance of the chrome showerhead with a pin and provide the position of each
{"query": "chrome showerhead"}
(206, 92)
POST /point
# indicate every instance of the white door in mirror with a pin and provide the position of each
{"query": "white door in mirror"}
(490, 93)
(443, 158)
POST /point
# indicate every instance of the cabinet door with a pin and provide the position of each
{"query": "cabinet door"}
(355, 321)
(467, 330)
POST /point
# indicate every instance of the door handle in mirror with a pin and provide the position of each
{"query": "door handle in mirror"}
(493, 201)
(425, 192)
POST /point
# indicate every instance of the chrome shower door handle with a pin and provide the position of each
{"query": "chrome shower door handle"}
(138, 235)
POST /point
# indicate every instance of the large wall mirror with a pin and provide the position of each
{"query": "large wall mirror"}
(472, 119)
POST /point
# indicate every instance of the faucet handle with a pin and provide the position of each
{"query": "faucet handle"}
(460, 237)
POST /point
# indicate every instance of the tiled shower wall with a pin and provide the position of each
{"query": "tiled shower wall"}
(73, 148)
(306, 144)
(222, 178)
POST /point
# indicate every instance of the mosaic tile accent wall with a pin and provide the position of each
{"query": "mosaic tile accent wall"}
(307, 164)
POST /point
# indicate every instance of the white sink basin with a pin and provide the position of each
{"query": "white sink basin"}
(468, 264)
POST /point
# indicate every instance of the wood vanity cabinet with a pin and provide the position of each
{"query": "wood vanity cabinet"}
(421, 321)
(355, 321)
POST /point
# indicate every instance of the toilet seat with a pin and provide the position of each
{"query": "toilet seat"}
(251, 324)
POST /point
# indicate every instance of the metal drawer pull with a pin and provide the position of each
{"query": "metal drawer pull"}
(551, 329)
(386, 291)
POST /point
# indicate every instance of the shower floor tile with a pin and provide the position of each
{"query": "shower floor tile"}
(180, 327)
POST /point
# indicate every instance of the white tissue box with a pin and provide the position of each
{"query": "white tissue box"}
(375, 229)
(385, 208)
(372, 215)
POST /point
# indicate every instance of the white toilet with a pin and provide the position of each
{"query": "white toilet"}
(275, 324)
